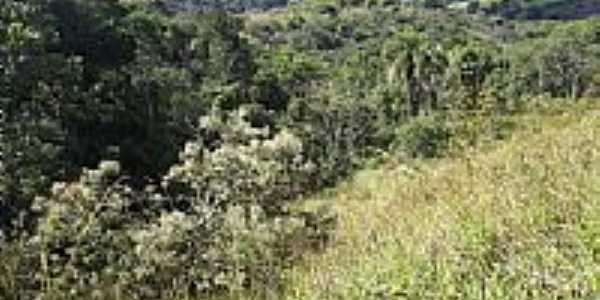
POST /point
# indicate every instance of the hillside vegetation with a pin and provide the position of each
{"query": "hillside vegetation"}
(518, 220)
(159, 150)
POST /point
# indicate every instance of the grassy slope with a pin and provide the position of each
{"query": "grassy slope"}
(521, 221)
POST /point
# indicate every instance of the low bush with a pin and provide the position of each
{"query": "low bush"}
(426, 136)
(336, 135)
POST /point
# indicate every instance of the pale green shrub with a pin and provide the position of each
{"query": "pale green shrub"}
(426, 136)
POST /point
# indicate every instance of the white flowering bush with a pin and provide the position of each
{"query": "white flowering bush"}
(220, 221)
(244, 187)
(81, 238)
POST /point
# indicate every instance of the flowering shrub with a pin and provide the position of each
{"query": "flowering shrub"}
(220, 221)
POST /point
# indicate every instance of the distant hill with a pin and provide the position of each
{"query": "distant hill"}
(514, 9)
(234, 6)
(549, 9)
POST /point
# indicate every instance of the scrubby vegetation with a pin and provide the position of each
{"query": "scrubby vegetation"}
(165, 150)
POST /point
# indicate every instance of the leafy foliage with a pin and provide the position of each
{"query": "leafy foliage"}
(221, 223)
(423, 137)
(155, 150)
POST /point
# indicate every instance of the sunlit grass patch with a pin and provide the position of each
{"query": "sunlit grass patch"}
(516, 222)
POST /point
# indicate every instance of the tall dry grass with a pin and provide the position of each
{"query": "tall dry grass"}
(518, 219)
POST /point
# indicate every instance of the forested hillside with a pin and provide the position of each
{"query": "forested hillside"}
(549, 9)
(165, 150)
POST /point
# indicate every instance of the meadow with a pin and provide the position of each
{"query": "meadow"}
(511, 219)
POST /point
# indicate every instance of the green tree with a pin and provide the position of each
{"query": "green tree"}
(418, 71)
(27, 150)
(471, 66)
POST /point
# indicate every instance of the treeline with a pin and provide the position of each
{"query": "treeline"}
(156, 155)
(548, 10)
(233, 6)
